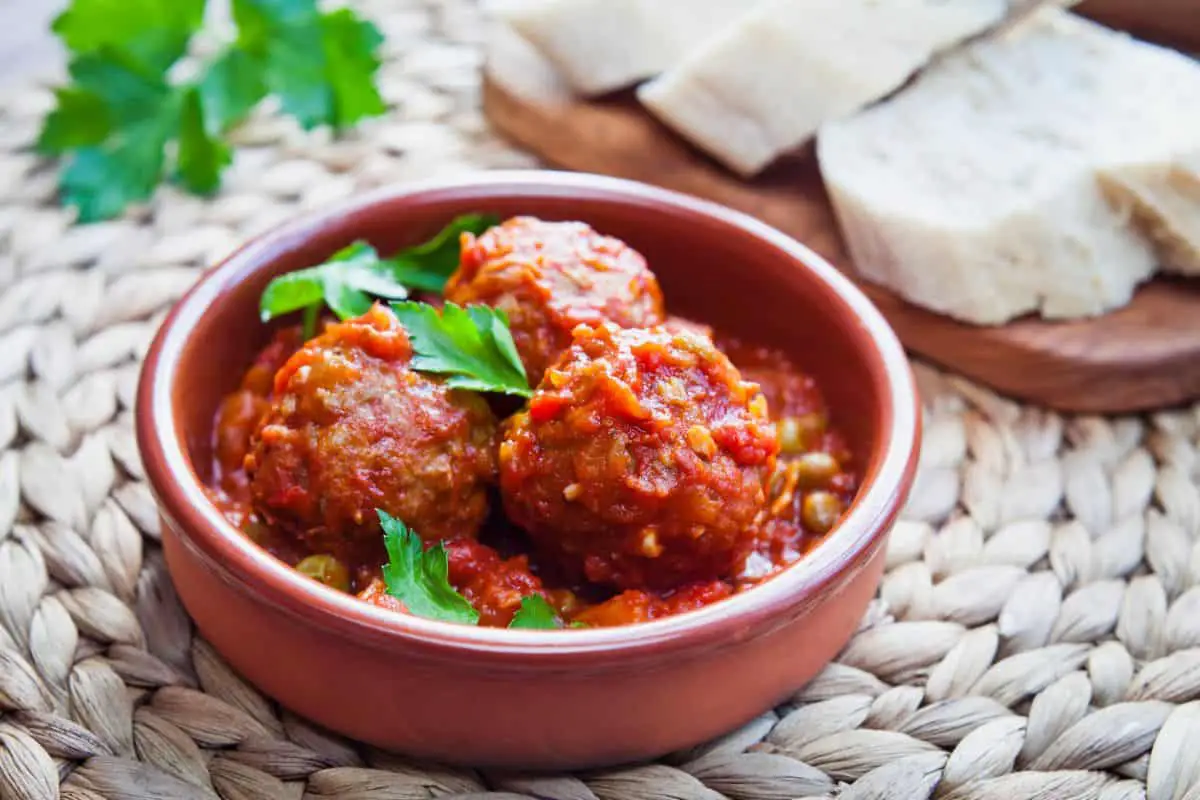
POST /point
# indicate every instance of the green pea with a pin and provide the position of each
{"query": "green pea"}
(327, 569)
(800, 434)
(816, 469)
(820, 511)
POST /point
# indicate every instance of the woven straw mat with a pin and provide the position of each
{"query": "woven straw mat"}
(1037, 634)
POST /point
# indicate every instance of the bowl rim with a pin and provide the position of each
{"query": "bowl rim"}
(181, 497)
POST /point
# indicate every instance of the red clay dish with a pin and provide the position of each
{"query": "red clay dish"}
(529, 698)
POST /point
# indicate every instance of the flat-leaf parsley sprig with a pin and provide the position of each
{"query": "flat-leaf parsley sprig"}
(473, 346)
(125, 123)
(535, 613)
(418, 576)
(427, 266)
(345, 283)
(350, 278)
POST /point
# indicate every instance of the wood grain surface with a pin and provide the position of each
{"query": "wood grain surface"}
(1145, 355)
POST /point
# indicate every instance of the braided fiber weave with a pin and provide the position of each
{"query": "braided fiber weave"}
(1037, 634)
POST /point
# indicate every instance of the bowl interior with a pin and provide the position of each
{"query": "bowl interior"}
(715, 266)
(710, 271)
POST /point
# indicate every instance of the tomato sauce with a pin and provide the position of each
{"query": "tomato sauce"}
(813, 482)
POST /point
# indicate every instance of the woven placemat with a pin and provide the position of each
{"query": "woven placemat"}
(1037, 634)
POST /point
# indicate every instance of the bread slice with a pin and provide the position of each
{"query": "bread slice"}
(977, 191)
(1157, 172)
(764, 85)
(1165, 199)
(514, 63)
(602, 45)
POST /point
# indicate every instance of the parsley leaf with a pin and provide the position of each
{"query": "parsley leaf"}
(417, 576)
(129, 91)
(123, 124)
(123, 160)
(154, 32)
(80, 119)
(535, 612)
(344, 283)
(473, 346)
(101, 181)
(427, 266)
(201, 155)
(232, 85)
(294, 69)
(257, 20)
(322, 66)
(351, 48)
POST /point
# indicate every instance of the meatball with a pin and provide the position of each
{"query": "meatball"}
(551, 276)
(240, 412)
(351, 429)
(682, 324)
(642, 459)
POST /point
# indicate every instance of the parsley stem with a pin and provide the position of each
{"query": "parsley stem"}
(310, 320)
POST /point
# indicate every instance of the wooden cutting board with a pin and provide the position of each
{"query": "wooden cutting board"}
(1143, 356)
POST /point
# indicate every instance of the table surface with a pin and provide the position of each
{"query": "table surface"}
(26, 46)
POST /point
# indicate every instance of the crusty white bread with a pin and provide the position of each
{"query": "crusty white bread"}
(764, 85)
(602, 45)
(977, 190)
(1166, 205)
(514, 63)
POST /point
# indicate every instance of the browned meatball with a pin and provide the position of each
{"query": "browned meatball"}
(551, 276)
(352, 429)
(642, 459)
(682, 324)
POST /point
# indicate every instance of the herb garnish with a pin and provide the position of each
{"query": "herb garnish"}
(535, 613)
(344, 283)
(418, 577)
(352, 275)
(116, 121)
(321, 65)
(427, 266)
(472, 346)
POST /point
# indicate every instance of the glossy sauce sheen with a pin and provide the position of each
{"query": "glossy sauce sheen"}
(500, 567)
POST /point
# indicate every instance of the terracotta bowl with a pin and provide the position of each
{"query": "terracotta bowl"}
(534, 699)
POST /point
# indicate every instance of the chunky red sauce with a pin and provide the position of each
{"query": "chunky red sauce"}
(813, 481)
